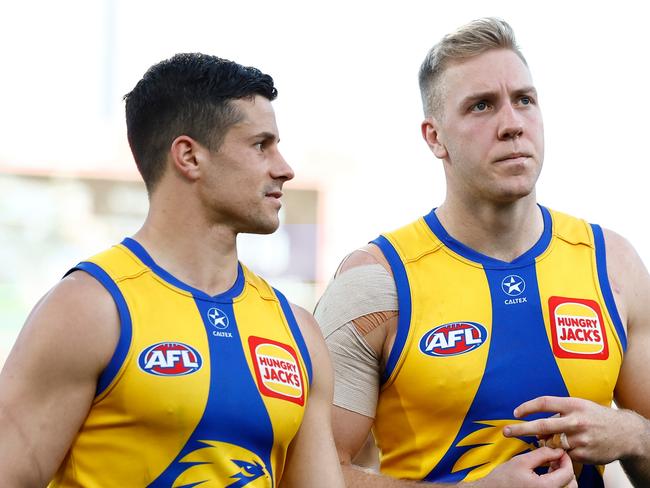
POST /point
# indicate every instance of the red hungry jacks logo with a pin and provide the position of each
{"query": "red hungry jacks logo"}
(277, 370)
(577, 328)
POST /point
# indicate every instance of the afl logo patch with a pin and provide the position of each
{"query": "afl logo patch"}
(170, 359)
(577, 328)
(453, 339)
(277, 370)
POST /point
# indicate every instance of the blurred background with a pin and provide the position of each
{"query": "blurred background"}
(348, 111)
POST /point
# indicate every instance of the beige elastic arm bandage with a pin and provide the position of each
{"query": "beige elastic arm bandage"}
(354, 293)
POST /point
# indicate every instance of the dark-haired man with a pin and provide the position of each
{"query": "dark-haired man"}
(469, 336)
(163, 361)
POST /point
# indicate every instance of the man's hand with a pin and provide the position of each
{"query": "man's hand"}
(590, 433)
(519, 471)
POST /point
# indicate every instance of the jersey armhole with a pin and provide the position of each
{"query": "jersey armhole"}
(295, 331)
(608, 295)
(119, 355)
(403, 304)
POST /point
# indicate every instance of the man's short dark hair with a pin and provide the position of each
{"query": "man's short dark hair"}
(188, 94)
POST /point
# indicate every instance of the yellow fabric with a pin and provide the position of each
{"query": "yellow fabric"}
(440, 417)
(235, 415)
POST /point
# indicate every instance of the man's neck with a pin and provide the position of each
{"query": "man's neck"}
(201, 255)
(501, 231)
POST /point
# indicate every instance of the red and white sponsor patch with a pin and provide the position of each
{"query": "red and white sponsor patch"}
(577, 328)
(277, 370)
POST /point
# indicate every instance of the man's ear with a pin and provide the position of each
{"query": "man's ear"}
(186, 154)
(431, 136)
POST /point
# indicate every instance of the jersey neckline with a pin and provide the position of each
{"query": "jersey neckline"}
(235, 290)
(467, 252)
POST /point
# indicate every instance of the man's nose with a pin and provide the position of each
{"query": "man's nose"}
(510, 123)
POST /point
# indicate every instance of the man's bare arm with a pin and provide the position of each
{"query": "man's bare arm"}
(631, 279)
(311, 459)
(49, 379)
(595, 434)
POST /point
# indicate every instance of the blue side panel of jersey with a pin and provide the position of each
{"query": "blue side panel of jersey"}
(295, 331)
(520, 364)
(124, 341)
(601, 263)
(403, 301)
(233, 395)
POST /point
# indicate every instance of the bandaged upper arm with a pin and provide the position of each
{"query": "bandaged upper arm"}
(355, 293)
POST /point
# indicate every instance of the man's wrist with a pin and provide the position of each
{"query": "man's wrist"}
(638, 439)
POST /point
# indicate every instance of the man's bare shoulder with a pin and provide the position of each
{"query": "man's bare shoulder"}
(77, 315)
(619, 249)
(49, 380)
(318, 353)
(364, 256)
(628, 277)
(308, 327)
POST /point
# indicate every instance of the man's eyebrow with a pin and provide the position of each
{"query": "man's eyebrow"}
(478, 96)
(526, 90)
(266, 136)
(490, 94)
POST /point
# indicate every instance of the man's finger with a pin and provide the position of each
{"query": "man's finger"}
(543, 428)
(541, 457)
(562, 405)
(562, 474)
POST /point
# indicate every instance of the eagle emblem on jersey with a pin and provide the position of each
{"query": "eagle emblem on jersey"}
(220, 465)
(249, 472)
(490, 449)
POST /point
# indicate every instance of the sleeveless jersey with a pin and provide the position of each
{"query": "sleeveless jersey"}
(201, 390)
(477, 336)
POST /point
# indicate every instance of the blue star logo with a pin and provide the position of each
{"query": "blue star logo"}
(218, 318)
(513, 285)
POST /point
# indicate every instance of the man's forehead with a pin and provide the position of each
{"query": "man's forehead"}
(256, 111)
(486, 72)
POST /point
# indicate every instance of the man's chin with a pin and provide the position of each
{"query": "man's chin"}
(512, 195)
(261, 228)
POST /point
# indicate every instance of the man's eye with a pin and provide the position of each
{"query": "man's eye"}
(259, 146)
(480, 107)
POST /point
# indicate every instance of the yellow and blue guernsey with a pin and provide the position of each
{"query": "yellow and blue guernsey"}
(477, 336)
(201, 390)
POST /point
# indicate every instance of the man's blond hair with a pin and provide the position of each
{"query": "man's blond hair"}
(470, 40)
